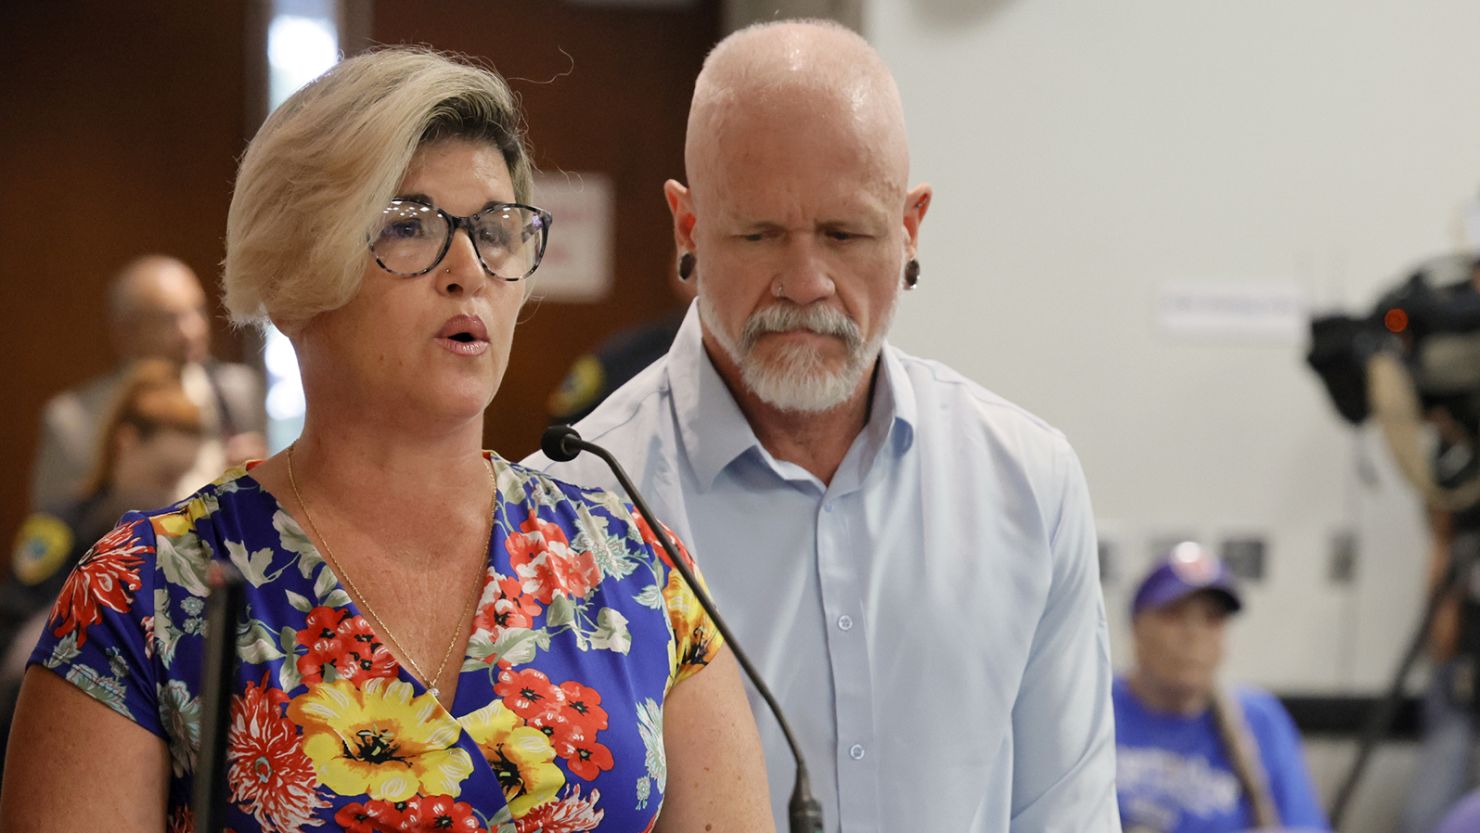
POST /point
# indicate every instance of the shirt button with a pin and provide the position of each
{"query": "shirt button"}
(845, 622)
(855, 752)
(828, 507)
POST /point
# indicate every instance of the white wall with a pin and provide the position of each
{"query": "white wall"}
(1087, 154)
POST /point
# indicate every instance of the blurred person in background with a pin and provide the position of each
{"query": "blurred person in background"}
(150, 438)
(594, 376)
(1463, 817)
(1424, 393)
(156, 310)
(434, 638)
(1192, 757)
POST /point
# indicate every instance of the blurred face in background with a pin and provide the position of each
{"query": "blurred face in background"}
(160, 312)
(1179, 647)
(148, 466)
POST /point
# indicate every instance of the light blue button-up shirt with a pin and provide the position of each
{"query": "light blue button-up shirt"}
(931, 620)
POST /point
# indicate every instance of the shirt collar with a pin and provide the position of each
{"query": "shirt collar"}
(714, 431)
(712, 428)
(893, 412)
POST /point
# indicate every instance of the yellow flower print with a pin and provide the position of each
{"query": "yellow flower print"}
(183, 519)
(521, 755)
(379, 740)
(696, 640)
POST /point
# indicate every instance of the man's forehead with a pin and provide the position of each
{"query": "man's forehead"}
(822, 150)
(166, 288)
(776, 197)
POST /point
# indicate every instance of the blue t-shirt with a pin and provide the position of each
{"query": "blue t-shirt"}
(1174, 776)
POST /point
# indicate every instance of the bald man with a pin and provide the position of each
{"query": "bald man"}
(910, 559)
(156, 309)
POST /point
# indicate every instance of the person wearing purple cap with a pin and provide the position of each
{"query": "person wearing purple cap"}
(1192, 758)
(1463, 817)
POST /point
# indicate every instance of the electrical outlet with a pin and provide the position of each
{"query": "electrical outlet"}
(1343, 566)
(1244, 557)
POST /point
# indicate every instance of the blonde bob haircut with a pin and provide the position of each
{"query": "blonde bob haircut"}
(322, 168)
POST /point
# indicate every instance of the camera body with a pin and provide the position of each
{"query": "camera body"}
(1431, 321)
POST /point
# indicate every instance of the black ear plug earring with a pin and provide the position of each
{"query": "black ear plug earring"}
(911, 274)
(686, 266)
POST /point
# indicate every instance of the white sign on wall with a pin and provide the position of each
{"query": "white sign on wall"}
(1250, 311)
(578, 264)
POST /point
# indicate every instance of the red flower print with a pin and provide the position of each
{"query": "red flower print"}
(181, 820)
(364, 655)
(427, 814)
(651, 540)
(373, 816)
(311, 665)
(544, 563)
(334, 636)
(269, 775)
(321, 628)
(107, 576)
(575, 574)
(508, 606)
(358, 668)
(581, 707)
(528, 693)
(569, 814)
(583, 755)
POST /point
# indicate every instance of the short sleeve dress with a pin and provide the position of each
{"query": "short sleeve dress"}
(582, 628)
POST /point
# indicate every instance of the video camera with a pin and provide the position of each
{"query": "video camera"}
(1431, 322)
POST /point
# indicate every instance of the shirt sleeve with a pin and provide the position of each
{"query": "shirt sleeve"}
(99, 634)
(1063, 735)
(56, 472)
(696, 641)
(1289, 778)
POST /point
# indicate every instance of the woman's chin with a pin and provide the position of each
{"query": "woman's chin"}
(447, 404)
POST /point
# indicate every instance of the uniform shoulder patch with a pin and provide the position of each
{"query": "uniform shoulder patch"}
(41, 548)
(585, 381)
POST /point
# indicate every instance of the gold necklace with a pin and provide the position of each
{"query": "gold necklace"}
(431, 682)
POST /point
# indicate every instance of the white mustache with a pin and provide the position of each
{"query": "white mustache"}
(785, 317)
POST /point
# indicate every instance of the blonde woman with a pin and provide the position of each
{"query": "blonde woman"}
(436, 638)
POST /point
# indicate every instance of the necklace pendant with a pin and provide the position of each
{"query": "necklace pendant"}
(435, 693)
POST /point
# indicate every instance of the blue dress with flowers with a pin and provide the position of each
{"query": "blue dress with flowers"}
(557, 723)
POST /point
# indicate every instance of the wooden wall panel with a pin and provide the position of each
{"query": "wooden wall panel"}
(120, 124)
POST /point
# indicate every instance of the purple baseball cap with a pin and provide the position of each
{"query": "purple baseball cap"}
(1186, 569)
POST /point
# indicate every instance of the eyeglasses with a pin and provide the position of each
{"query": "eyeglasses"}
(413, 237)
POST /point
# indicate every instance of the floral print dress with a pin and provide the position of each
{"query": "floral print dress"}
(557, 723)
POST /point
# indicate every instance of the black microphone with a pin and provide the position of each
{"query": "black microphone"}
(226, 605)
(562, 443)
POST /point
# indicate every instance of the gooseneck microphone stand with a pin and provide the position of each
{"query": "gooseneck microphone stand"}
(225, 607)
(562, 443)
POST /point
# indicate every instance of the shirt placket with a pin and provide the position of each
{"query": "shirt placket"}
(856, 756)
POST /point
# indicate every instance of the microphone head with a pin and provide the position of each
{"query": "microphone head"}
(556, 443)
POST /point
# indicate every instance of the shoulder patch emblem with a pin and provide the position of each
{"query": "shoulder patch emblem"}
(41, 548)
(581, 386)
